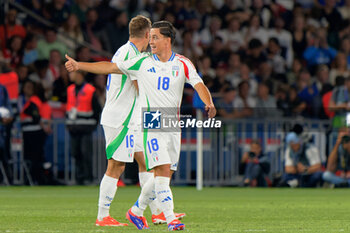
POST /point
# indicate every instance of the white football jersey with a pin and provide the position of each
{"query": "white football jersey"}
(121, 94)
(160, 84)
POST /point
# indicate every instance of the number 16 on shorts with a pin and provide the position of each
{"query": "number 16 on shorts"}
(129, 141)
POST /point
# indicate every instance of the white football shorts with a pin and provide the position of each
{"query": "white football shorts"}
(120, 143)
(161, 148)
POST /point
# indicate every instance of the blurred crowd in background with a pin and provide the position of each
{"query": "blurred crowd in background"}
(278, 54)
(259, 58)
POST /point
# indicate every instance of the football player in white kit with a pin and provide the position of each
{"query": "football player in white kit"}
(118, 121)
(161, 77)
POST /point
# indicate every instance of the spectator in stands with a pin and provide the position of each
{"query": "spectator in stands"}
(83, 110)
(43, 76)
(255, 31)
(30, 54)
(34, 136)
(308, 92)
(246, 75)
(302, 163)
(202, 12)
(233, 35)
(72, 33)
(119, 26)
(345, 10)
(228, 10)
(266, 104)
(83, 54)
(345, 48)
(330, 13)
(204, 67)
(340, 68)
(284, 39)
(49, 43)
(60, 85)
(192, 25)
(6, 118)
(217, 52)
(264, 73)
(14, 52)
(255, 54)
(339, 103)
(294, 72)
(22, 73)
(56, 11)
(92, 30)
(338, 164)
(225, 104)
(80, 8)
(300, 35)
(256, 166)
(281, 96)
(55, 61)
(276, 57)
(158, 11)
(233, 69)
(189, 49)
(262, 11)
(100, 85)
(219, 82)
(244, 102)
(322, 77)
(297, 106)
(11, 28)
(208, 34)
(319, 52)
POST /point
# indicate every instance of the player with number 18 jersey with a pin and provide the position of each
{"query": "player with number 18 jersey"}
(161, 85)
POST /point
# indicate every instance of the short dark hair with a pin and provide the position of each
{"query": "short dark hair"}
(138, 25)
(345, 139)
(254, 43)
(166, 29)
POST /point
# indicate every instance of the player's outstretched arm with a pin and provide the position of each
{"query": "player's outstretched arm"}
(205, 96)
(102, 67)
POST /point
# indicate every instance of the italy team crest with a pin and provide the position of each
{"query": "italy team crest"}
(175, 71)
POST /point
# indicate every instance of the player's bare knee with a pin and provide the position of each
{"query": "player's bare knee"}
(140, 159)
(115, 168)
(163, 170)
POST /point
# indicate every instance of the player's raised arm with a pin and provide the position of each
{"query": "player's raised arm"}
(205, 96)
(102, 67)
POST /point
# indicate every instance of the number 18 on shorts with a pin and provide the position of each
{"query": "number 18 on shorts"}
(162, 148)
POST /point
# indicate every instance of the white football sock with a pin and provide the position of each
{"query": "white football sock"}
(144, 176)
(154, 206)
(165, 197)
(108, 188)
(147, 196)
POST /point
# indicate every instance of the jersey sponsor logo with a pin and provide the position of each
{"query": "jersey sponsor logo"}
(152, 120)
(175, 71)
(152, 70)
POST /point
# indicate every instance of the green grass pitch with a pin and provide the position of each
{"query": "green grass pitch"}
(74, 209)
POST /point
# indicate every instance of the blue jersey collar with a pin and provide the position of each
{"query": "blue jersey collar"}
(170, 59)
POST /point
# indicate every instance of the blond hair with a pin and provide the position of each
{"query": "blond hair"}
(138, 26)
